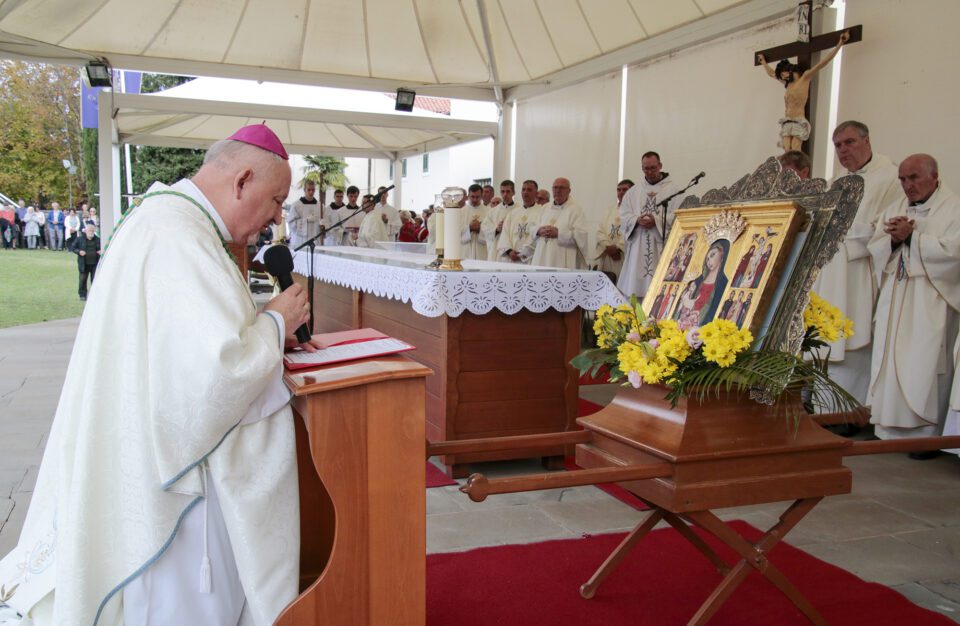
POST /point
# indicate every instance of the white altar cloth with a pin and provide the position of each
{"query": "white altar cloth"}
(480, 288)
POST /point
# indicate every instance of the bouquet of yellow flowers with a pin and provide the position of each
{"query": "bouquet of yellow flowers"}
(824, 324)
(712, 357)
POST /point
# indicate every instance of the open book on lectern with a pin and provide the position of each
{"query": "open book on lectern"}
(347, 345)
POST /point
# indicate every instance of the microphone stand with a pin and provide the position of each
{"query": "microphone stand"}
(663, 203)
(312, 244)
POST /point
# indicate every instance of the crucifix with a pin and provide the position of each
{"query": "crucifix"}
(795, 125)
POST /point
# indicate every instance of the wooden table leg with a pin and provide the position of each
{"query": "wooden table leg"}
(681, 527)
(589, 588)
(754, 556)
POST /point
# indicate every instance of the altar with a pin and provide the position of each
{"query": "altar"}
(498, 337)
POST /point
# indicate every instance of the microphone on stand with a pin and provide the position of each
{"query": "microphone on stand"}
(279, 263)
(696, 179)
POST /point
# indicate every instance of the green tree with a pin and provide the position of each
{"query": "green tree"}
(326, 172)
(40, 109)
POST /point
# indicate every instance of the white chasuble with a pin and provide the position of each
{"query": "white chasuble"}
(492, 229)
(644, 245)
(849, 281)
(171, 368)
(916, 316)
(373, 228)
(517, 235)
(569, 248)
(608, 234)
(474, 243)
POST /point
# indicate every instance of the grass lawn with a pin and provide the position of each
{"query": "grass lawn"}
(37, 286)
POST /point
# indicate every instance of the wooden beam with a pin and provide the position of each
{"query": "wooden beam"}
(797, 48)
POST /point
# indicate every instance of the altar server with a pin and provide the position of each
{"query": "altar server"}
(608, 254)
(471, 218)
(561, 233)
(492, 226)
(304, 219)
(517, 241)
(167, 493)
(849, 280)
(916, 257)
(392, 213)
(641, 222)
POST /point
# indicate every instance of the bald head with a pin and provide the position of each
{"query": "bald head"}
(246, 184)
(561, 190)
(919, 177)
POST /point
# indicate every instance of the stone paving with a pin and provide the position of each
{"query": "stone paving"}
(899, 527)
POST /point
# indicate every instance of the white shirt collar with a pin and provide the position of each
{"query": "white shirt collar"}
(186, 186)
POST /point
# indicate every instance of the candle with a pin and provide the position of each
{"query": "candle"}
(438, 225)
(451, 234)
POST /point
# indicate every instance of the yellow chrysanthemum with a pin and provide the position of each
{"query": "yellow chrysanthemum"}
(828, 321)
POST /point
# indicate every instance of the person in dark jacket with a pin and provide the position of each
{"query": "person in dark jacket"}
(87, 249)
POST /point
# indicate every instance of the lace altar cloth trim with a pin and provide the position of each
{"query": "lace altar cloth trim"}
(480, 288)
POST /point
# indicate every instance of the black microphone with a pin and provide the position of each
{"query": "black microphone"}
(379, 194)
(697, 178)
(279, 262)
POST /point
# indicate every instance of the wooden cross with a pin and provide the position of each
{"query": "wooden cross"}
(807, 45)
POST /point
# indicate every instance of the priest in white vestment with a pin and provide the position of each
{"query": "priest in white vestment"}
(350, 214)
(916, 256)
(167, 493)
(392, 213)
(517, 241)
(492, 226)
(608, 253)
(471, 219)
(641, 222)
(561, 232)
(374, 226)
(848, 281)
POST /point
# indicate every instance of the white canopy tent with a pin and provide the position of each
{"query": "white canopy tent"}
(455, 48)
(492, 50)
(353, 128)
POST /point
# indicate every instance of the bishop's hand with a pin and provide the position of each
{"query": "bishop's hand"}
(291, 304)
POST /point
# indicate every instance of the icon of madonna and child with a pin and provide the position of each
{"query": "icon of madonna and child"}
(700, 299)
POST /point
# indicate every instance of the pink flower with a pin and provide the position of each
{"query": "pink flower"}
(634, 377)
(693, 338)
(635, 337)
(654, 343)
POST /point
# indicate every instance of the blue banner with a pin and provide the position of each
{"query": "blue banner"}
(125, 81)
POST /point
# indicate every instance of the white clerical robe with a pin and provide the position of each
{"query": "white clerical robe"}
(373, 228)
(849, 281)
(346, 233)
(644, 245)
(488, 228)
(172, 372)
(303, 220)
(518, 233)
(608, 234)
(916, 316)
(569, 248)
(474, 244)
(393, 220)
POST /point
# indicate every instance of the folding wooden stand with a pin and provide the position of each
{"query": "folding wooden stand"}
(688, 460)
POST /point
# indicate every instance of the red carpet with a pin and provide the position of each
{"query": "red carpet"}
(587, 408)
(663, 581)
(436, 478)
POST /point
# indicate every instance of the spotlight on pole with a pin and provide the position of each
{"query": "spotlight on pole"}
(405, 98)
(97, 74)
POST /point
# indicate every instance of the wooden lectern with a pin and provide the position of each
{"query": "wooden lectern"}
(360, 438)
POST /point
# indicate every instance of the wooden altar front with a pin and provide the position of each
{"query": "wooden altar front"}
(495, 375)
(360, 433)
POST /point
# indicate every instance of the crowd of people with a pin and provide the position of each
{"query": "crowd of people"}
(38, 227)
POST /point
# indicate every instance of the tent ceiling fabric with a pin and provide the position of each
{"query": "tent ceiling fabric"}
(408, 42)
(191, 123)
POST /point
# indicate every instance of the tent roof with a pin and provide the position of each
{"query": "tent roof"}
(336, 122)
(465, 48)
